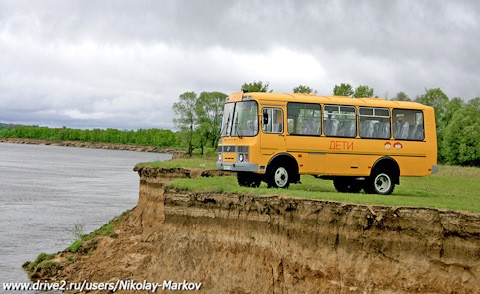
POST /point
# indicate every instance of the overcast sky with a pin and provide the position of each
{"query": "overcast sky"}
(122, 64)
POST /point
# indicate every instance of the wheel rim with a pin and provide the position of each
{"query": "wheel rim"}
(382, 183)
(281, 177)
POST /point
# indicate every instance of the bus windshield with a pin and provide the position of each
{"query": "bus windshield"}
(240, 119)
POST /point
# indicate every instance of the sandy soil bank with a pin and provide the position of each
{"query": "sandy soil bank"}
(270, 244)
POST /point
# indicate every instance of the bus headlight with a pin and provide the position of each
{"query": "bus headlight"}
(240, 158)
(219, 156)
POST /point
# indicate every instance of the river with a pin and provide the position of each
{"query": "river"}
(45, 191)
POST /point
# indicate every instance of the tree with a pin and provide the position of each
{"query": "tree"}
(201, 137)
(401, 96)
(363, 91)
(452, 107)
(343, 90)
(436, 99)
(462, 135)
(439, 101)
(303, 89)
(256, 87)
(186, 119)
(209, 111)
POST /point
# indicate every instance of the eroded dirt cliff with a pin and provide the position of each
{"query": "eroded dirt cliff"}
(270, 244)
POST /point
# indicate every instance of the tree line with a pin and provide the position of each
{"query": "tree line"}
(147, 137)
(7, 126)
(198, 118)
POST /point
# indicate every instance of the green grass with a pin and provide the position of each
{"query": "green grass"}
(75, 246)
(208, 152)
(182, 162)
(456, 188)
(42, 266)
(41, 260)
(105, 230)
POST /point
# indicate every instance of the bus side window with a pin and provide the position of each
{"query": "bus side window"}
(374, 122)
(272, 121)
(304, 119)
(408, 125)
(340, 121)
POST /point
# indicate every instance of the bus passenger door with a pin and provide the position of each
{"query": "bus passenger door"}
(272, 137)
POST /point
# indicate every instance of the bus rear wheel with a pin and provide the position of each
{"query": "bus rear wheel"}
(247, 179)
(379, 182)
(278, 177)
(347, 185)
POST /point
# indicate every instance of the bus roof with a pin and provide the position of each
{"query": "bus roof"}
(341, 100)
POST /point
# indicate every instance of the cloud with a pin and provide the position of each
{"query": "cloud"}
(123, 63)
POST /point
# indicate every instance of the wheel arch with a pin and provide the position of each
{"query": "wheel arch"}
(389, 164)
(289, 160)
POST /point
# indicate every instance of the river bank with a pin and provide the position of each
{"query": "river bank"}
(257, 244)
(176, 152)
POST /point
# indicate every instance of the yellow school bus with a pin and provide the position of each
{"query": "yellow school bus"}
(359, 143)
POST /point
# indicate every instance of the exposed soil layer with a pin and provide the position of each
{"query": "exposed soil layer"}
(97, 145)
(270, 244)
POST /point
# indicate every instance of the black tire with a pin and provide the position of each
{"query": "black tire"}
(379, 182)
(347, 185)
(279, 176)
(247, 179)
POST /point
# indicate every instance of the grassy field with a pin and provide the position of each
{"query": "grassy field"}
(453, 187)
(194, 162)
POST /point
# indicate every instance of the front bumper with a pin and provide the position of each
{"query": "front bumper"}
(237, 166)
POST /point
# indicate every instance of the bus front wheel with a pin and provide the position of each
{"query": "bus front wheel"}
(379, 182)
(278, 177)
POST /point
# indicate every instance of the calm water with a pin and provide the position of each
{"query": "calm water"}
(46, 190)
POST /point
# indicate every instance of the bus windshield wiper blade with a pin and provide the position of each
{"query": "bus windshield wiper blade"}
(225, 126)
(238, 129)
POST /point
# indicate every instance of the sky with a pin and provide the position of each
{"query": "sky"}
(122, 64)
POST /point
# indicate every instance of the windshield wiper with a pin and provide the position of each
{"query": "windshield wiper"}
(237, 129)
(224, 126)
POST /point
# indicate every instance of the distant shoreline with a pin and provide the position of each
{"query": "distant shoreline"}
(176, 152)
